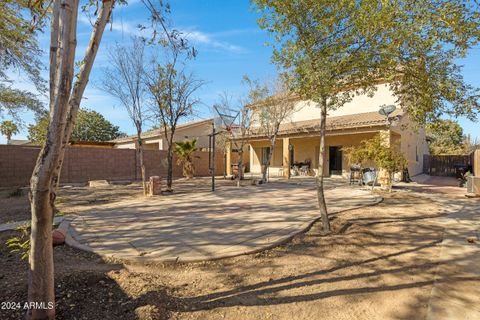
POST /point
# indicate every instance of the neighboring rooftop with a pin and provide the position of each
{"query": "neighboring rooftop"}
(159, 131)
(14, 142)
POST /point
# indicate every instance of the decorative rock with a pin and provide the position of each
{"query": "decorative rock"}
(98, 183)
(154, 186)
(58, 237)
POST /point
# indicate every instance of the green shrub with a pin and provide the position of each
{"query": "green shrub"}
(21, 243)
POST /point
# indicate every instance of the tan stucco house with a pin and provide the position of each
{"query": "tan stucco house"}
(155, 139)
(298, 139)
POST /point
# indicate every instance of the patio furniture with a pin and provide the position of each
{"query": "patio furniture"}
(355, 174)
(369, 176)
(304, 170)
(294, 170)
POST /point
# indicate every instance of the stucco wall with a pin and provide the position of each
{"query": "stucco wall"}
(125, 145)
(307, 110)
(476, 163)
(413, 144)
(410, 142)
(306, 148)
(199, 132)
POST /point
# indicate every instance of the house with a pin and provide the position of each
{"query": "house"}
(298, 139)
(155, 139)
(14, 142)
(92, 144)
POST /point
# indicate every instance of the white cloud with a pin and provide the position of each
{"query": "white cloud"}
(196, 37)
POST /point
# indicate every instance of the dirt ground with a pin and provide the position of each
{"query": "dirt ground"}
(378, 264)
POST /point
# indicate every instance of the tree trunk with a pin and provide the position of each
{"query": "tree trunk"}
(169, 168)
(390, 183)
(42, 184)
(240, 165)
(267, 163)
(188, 168)
(321, 164)
(45, 177)
(84, 73)
(142, 163)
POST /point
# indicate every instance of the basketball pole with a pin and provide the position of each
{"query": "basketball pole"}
(213, 158)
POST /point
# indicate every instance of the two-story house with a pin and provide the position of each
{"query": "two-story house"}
(359, 119)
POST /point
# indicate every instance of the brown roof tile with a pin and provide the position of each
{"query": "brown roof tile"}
(357, 120)
(159, 132)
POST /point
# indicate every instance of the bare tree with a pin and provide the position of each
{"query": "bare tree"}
(273, 104)
(172, 89)
(124, 80)
(222, 140)
(240, 130)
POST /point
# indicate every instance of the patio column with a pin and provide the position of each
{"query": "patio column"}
(228, 150)
(286, 158)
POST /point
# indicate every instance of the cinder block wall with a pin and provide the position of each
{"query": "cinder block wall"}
(83, 164)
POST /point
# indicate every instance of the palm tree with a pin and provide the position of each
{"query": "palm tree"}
(8, 129)
(184, 151)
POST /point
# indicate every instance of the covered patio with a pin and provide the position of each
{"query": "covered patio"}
(297, 146)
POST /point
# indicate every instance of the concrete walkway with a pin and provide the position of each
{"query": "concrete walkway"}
(14, 225)
(204, 225)
(456, 292)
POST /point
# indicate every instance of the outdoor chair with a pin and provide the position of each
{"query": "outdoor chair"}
(369, 176)
(294, 171)
(355, 174)
(280, 172)
(303, 170)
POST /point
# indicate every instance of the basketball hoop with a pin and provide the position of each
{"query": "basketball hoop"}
(225, 118)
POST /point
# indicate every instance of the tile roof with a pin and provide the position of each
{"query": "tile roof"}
(158, 132)
(22, 142)
(357, 120)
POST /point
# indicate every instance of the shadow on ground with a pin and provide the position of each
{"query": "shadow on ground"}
(380, 263)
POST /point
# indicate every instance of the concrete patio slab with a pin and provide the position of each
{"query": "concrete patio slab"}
(204, 225)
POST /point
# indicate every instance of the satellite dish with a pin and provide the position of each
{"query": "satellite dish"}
(387, 110)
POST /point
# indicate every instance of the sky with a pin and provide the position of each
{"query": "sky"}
(229, 43)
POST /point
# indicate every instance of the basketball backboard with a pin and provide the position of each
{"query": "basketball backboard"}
(225, 118)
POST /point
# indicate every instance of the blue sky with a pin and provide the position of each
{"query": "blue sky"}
(229, 42)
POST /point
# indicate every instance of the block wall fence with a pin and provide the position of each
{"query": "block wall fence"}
(84, 164)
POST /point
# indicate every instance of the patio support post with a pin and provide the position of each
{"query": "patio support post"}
(228, 163)
(286, 158)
